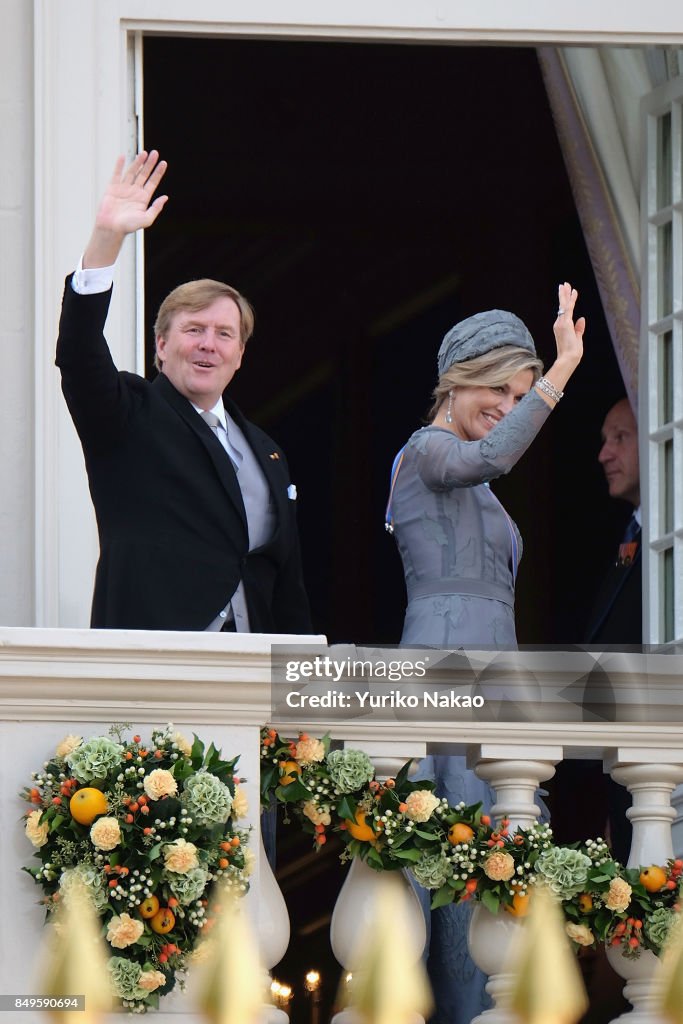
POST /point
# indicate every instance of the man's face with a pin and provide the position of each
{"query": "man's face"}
(201, 352)
(619, 453)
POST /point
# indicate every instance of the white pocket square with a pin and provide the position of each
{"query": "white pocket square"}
(291, 492)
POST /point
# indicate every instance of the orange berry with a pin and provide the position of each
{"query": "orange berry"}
(162, 958)
(147, 831)
(56, 800)
(142, 800)
(235, 841)
(320, 828)
(390, 783)
(173, 902)
(136, 739)
(460, 833)
(320, 839)
(485, 819)
(471, 885)
(671, 884)
(134, 807)
(144, 810)
(113, 883)
(129, 756)
(223, 862)
(403, 808)
(163, 921)
(158, 754)
(633, 942)
(129, 819)
(225, 846)
(149, 906)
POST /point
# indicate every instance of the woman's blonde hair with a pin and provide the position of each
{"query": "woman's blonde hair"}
(490, 370)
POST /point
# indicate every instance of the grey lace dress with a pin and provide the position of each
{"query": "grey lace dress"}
(458, 546)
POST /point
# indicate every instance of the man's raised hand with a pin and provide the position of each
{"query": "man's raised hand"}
(126, 206)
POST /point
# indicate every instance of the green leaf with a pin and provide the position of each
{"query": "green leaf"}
(57, 821)
(346, 808)
(402, 776)
(409, 855)
(154, 851)
(293, 792)
(490, 901)
(443, 896)
(431, 836)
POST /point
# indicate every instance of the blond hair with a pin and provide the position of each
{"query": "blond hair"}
(192, 297)
(490, 370)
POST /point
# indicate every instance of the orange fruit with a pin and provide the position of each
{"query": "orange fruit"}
(86, 804)
(149, 906)
(519, 906)
(460, 833)
(163, 921)
(653, 878)
(585, 902)
(289, 770)
(360, 829)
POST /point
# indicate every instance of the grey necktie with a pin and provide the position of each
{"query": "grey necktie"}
(223, 436)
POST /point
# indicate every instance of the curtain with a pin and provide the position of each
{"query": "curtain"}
(594, 95)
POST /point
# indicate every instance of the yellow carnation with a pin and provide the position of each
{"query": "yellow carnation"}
(180, 857)
(183, 744)
(499, 866)
(315, 813)
(151, 980)
(36, 832)
(309, 751)
(579, 933)
(105, 833)
(619, 895)
(420, 804)
(124, 931)
(68, 744)
(160, 783)
(240, 803)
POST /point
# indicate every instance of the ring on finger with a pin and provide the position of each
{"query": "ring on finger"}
(561, 312)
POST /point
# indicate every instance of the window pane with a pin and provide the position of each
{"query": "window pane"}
(666, 470)
(664, 161)
(666, 378)
(664, 271)
(667, 602)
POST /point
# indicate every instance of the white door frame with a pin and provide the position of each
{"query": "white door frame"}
(85, 90)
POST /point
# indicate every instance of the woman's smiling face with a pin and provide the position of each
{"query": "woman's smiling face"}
(476, 410)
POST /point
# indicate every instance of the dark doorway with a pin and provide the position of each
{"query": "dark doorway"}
(365, 197)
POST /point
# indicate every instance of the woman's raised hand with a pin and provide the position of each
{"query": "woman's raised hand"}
(126, 206)
(568, 335)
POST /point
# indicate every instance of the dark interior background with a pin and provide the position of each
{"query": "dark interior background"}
(365, 197)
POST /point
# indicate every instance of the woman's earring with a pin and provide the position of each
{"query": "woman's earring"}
(448, 417)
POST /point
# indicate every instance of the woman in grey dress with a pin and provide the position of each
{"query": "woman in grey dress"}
(460, 549)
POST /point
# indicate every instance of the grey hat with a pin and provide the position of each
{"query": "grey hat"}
(479, 334)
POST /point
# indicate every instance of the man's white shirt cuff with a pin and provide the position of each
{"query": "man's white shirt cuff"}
(91, 281)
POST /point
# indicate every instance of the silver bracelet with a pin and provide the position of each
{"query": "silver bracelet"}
(544, 385)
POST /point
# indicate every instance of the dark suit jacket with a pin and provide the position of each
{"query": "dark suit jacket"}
(171, 521)
(618, 609)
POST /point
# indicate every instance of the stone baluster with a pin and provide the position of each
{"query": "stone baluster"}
(651, 777)
(515, 776)
(354, 908)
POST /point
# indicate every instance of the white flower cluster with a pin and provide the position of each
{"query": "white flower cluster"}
(597, 850)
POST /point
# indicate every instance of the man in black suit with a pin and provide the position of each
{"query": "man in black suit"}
(194, 505)
(618, 610)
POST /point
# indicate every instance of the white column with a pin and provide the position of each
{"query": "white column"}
(651, 777)
(515, 776)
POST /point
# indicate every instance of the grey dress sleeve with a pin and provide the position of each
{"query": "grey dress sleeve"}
(445, 461)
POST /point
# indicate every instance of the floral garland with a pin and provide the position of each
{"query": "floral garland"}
(147, 827)
(459, 853)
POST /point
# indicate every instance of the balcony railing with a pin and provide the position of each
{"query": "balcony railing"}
(53, 682)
